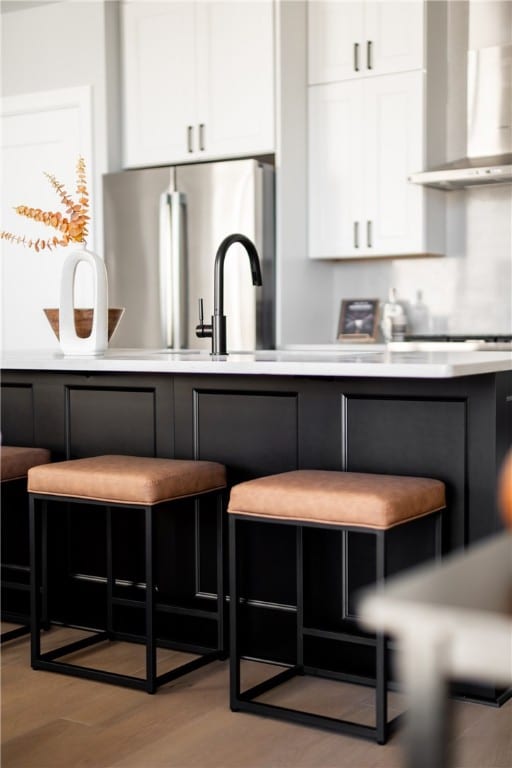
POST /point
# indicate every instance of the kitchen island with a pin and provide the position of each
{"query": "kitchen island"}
(436, 414)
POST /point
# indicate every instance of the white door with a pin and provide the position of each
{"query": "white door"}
(393, 126)
(335, 38)
(335, 180)
(236, 78)
(159, 47)
(44, 131)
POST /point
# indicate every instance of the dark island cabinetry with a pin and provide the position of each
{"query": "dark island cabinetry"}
(455, 429)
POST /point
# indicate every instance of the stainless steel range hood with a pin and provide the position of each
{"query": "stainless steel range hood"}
(489, 125)
(468, 172)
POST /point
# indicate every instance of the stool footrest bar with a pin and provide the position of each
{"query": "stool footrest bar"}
(13, 617)
(190, 666)
(13, 633)
(307, 718)
(342, 637)
(78, 645)
(90, 673)
(394, 724)
(199, 613)
(267, 685)
(343, 677)
(173, 645)
(16, 585)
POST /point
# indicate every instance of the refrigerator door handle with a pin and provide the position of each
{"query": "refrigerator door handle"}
(173, 272)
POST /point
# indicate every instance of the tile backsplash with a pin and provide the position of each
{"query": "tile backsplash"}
(467, 290)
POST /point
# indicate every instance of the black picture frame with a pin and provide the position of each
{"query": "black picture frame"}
(359, 320)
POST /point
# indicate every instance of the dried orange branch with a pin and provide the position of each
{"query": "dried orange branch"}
(71, 228)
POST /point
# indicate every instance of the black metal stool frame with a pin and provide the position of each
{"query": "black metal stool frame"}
(38, 502)
(244, 701)
(16, 618)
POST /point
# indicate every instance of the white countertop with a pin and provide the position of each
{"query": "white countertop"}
(319, 361)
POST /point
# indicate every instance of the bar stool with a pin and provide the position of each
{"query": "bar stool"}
(119, 482)
(340, 501)
(15, 462)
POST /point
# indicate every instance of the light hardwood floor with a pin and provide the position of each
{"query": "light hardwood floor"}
(55, 721)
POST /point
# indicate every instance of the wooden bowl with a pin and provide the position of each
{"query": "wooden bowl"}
(83, 321)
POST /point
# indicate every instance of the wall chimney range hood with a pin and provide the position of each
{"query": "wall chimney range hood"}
(489, 126)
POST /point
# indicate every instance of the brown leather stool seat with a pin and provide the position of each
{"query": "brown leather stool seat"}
(127, 479)
(15, 461)
(346, 502)
(119, 482)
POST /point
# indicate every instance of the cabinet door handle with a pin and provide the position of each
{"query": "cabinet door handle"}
(356, 234)
(369, 225)
(369, 54)
(201, 137)
(190, 136)
(356, 57)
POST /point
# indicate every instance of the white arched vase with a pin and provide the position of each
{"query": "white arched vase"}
(97, 342)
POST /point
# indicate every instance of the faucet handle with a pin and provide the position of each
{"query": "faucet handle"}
(203, 331)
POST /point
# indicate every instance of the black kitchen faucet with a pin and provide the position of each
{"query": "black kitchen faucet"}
(216, 330)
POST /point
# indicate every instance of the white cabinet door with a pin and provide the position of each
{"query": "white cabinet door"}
(360, 39)
(198, 80)
(159, 71)
(335, 176)
(393, 140)
(393, 36)
(364, 139)
(236, 78)
(335, 34)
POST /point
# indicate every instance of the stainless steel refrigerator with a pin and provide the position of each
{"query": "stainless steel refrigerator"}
(162, 230)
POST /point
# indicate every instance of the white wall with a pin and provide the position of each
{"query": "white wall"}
(50, 47)
(303, 314)
(470, 289)
(62, 45)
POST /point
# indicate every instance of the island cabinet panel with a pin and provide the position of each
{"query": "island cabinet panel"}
(424, 438)
(77, 415)
(17, 414)
(253, 433)
(258, 425)
(110, 420)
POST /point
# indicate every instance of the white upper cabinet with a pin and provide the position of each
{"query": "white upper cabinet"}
(363, 140)
(359, 39)
(335, 185)
(159, 73)
(236, 82)
(393, 144)
(394, 37)
(198, 80)
(335, 35)
(367, 118)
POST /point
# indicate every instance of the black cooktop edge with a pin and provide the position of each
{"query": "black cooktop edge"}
(492, 337)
